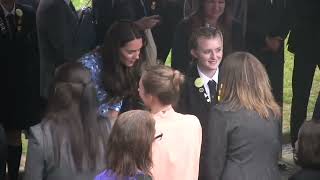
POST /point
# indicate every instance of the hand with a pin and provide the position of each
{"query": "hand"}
(148, 22)
(273, 44)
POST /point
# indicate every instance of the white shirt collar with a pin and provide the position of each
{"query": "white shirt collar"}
(206, 79)
(6, 12)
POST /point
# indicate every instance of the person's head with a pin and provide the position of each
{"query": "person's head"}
(71, 118)
(219, 10)
(206, 46)
(130, 143)
(308, 144)
(213, 8)
(160, 83)
(123, 43)
(123, 54)
(245, 84)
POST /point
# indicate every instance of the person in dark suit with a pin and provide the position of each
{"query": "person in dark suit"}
(107, 12)
(70, 142)
(19, 54)
(171, 13)
(303, 42)
(199, 93)
(267, 27)
(308, 148)
(58, 34)
(243, 137)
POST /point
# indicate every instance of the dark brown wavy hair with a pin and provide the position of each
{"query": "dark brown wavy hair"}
(130, 143)
(121, 81)
(72, 120)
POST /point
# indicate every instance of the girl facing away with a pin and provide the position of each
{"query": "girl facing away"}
(129, 147)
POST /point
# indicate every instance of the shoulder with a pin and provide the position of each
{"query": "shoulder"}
(103, 175)
(26, 9)
(189, 120)
(91, 60)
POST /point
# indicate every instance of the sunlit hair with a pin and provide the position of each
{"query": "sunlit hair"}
(207, 32)
(163, 82)
(119, 80)
(245, 84)
(309, 144)
(130, 143)
(71, 119)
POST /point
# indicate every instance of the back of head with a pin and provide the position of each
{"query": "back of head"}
(130, 143)
(309, 144)
(245, 84)
(163, 82)
(71, 117)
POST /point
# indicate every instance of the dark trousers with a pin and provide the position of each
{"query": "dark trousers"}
(274, 64)
(303, 72)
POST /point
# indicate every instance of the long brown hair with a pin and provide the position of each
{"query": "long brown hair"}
(245, 84)
(163, 82)
(130, 143)
(72, 119)
(121, 81)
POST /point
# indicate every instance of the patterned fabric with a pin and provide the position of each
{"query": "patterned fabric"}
(93, 62)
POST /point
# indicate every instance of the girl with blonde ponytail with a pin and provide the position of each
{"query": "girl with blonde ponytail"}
(180, 135)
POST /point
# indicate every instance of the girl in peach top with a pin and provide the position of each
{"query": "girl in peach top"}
(176, 154)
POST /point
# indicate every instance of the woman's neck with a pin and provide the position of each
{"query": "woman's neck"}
(157, 107)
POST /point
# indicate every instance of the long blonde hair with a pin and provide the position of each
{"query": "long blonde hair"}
(245, 84)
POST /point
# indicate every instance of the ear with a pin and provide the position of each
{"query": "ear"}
(194, 53)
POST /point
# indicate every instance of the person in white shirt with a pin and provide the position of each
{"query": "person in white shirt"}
(200, 92)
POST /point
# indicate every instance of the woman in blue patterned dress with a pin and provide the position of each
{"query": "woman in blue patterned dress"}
(115, 67)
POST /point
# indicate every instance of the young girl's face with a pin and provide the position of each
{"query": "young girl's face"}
(208, 53)
(130, 53)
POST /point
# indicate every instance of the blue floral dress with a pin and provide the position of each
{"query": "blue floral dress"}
(93, 62)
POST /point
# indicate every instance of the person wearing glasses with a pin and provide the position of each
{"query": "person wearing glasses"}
(176, 154)
(115, 68)
(215, 13)
(130, 147)
(71, 141)
(200, 91)
(244, 138)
